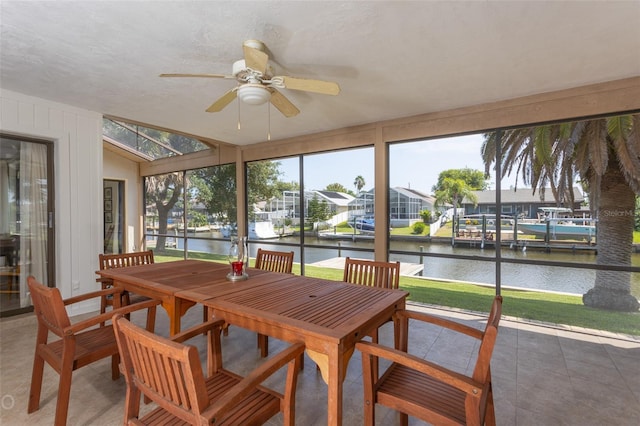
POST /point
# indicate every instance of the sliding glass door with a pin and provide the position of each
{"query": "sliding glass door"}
(26, 220)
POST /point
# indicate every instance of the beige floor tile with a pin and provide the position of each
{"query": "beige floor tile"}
(542, 375)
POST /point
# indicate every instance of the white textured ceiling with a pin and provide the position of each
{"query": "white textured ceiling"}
(391, 59)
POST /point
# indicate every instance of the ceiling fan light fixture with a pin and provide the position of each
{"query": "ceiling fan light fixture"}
(254, 94)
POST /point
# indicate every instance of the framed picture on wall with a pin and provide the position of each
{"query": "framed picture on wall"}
(108, 217)
(107, 193)
(108, 207)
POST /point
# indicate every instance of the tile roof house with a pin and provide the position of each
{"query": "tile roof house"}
(405, 205)
(523, 202)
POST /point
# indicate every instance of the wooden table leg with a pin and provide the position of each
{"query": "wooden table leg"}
(174, 315)
(333, 367)
(337, 371)
(176, 308)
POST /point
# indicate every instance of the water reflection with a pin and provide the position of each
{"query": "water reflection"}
(551, 278)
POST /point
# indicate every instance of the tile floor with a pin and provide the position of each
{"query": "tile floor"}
(542, 375)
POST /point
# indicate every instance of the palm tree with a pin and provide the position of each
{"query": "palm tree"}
(605, 154)
(359, 183)
(453, 191)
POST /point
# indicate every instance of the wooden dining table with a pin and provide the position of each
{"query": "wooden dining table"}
(163, 280)
(328, 316)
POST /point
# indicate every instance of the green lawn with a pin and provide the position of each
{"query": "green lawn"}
(530, 305)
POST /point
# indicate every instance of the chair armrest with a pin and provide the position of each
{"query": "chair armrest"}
(91, 295)
(197, 330)
(79, 326)
(237, 393)
(452, 378)
(104, 281)
(452, 325)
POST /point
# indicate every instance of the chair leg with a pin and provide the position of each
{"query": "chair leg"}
(490, 414)
(104, 302)
(404, 419)
(132, 404)
(151, 319)
(375, 362)
(368, 384)
(125, 300)
(64, 391)
(263, 344)
(115, 367)
(36, 384)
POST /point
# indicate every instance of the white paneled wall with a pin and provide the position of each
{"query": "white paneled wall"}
(77, 137)
(119, 168)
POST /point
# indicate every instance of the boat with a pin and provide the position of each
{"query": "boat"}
(258, 230)
(262, 230)
(554, 221)
(365, 225)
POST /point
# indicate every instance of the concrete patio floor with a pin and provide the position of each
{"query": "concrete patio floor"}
(542, 375)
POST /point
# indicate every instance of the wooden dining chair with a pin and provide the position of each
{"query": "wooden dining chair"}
(170, 374)
(374, 274)
(419, 388)
(274, 261)
(77, 345)
(122, 260)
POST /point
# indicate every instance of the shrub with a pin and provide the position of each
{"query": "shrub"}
(419, 227)
(426, 216)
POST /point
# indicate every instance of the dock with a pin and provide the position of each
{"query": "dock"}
(410, 269)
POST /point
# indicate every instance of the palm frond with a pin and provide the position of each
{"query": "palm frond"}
(595, 136)
(621, 131)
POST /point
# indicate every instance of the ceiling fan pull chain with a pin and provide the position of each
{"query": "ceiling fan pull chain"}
(238, 114)
(268, 121)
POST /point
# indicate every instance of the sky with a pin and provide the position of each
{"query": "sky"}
(414, 165)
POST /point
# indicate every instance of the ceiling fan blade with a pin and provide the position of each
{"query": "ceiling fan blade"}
(198, 75)
(283, 104)
(223, 101)
(308, 85)
(255, 59)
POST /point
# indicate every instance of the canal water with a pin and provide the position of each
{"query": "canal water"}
(539, 277)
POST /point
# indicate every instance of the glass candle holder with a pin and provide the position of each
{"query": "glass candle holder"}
(238, 256)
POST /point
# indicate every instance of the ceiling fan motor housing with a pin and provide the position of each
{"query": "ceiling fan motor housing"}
(240, 71)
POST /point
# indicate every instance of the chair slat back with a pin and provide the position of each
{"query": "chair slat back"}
(372, 273)
(122, 260)
(274, 261)
(481, 370)
(169, 373)
(48, 306)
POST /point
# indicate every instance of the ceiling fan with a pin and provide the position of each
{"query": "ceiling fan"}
(257, 83)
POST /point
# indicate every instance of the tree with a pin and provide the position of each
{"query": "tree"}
(426, 216)
(262, 181)
(317, 210)
(636, 226)
(359, 183)
(164, 191)
(217, 189)
(453, 191)
(475, 179)
(338, 187)
(287, 186)
(604, 153)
